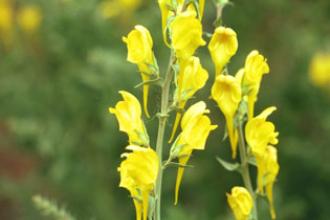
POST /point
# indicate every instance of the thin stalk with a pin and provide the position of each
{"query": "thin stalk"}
(245, 172)
(163, 115)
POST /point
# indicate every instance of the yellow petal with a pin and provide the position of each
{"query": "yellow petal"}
(226, 91)
(191, 78)
(255, 67)
(222, 47)
(186, 35)
(233, 136)
(145, 94)
(139, 45)
(138, 209)
(269, 191)
(182, 161)
(201, 7)
(138, 174)
(145, 197)
(259, 133)
(241, 203)
(128, 113)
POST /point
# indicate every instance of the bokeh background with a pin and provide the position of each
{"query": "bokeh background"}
(62, 63)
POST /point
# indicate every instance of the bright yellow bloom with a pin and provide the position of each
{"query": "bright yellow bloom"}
(319, 71)
(259, 133)
(186, 36)
(138, 174)
(268, 169)
(222, 47)
(196, 127)
(6, 22)
(128, 113)
(113, 8)
(240, 202)
(166, 12)
(226, 91)
(255, 67)
(29, 18)
(191, 78)
(139, 45)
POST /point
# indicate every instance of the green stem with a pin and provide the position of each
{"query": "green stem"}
(163, 115)
(245, 172)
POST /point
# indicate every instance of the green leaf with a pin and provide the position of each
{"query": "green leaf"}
(229, 166)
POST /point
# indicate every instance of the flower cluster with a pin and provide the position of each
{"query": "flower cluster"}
(236, 97)
(182, 31)
(141, 171)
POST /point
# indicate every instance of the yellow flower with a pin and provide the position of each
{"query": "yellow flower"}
(319, 70)
(240, 202)
(268, 169)
(6, 22)
(128, 113)
(186, 34)
(167, 11)
(255, 67)
(222, 47)
(196, 127)
(259, 132)
(191, 77)
(139, 44)
(113, 8)
(29, 18)
(138, 174)
(226, 91)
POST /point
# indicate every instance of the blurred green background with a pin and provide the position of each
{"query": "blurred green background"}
(57, 81)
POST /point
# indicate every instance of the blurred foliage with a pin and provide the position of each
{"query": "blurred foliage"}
(57, 138)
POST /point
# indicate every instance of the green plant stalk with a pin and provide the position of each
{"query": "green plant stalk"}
(245, 170)
(162, 115)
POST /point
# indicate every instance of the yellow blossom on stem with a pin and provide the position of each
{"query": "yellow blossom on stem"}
(29, 18)
(128, 113)
(226, 91)
(191, 78)
(168, 10)
(268, 169)
(255, 67)
(196, 127)
(138, 174)
(240, 202)
(6, 22)
(139, 44)
(222, 47)
(259, 133)
(319, 70)
(186, 34)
